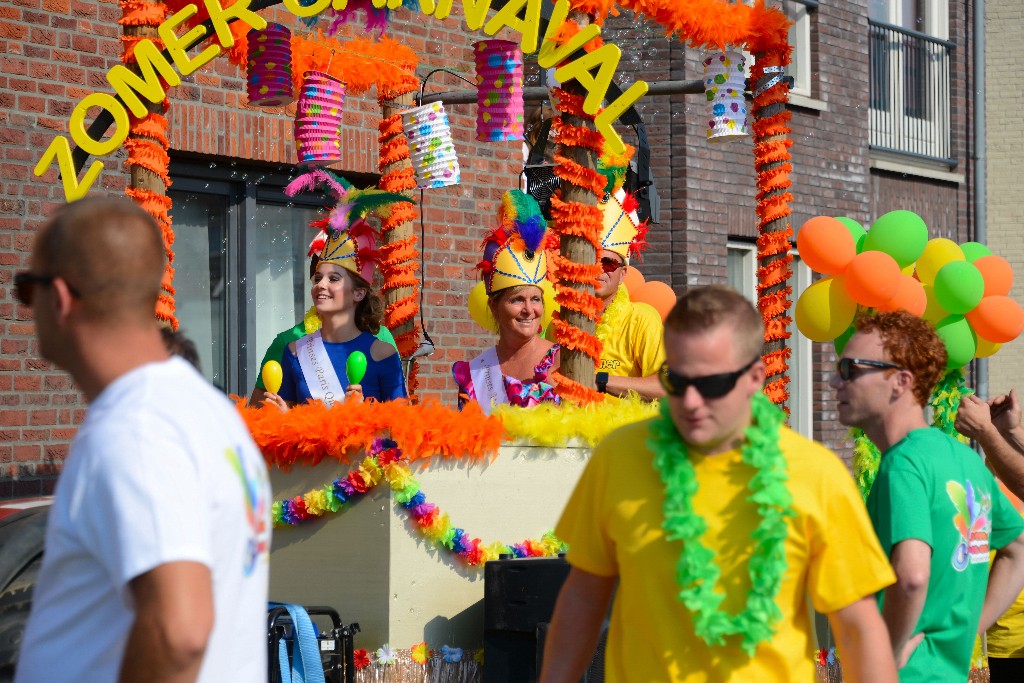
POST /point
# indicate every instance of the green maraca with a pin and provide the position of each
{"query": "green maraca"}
(355, 367)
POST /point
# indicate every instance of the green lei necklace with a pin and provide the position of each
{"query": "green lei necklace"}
(696, 571)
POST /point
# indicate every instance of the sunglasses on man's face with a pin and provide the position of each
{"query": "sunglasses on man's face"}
(708, 386)
(848, 371)
(610, 265)
(25, 284)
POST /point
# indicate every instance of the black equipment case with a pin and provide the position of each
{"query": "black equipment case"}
(335, 642)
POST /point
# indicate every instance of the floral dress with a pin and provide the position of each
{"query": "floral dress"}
(520, 393)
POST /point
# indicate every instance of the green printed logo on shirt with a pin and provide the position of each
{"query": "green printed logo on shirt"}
(973, 519)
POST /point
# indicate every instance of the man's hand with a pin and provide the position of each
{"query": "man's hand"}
(1005, 411)
(908, 650)
(974, 418)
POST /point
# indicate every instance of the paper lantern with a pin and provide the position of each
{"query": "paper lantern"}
(318, 118)
(431, 150)
(499, 94)
(269, 70)
(724, 82)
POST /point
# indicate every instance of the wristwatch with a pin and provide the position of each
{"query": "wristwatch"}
(602, 382)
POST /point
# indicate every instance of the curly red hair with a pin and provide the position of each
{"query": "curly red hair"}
(911, 343)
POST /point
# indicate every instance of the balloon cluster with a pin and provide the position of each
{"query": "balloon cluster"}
(962, 289)
(656, 294)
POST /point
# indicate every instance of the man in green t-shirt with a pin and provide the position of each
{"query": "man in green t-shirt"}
(936, 509)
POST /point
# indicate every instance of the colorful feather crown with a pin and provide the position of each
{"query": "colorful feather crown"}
(514, 252)
(344, 236)
(622, 231)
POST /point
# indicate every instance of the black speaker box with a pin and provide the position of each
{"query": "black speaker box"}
(519, 595)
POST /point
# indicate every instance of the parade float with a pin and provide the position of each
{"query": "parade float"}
(388, 512)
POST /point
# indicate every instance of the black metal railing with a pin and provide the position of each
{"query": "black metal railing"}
(910, 92)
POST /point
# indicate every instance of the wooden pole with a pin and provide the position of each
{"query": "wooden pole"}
(147, 146)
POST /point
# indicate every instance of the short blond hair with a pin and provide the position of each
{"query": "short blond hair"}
(706, 308)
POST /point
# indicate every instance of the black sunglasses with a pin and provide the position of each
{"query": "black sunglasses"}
(25, 283)
(610, 265)
(846, 369)
(708, 386)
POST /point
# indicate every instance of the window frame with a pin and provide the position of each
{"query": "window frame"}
(243, 195)
(801, 367)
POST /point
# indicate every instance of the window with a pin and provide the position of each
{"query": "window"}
(909, 79)
(241, 271)
(742, 268)
(800, 67)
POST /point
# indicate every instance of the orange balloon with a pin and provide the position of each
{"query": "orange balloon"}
(825, 245)
(997, 319)
(910, 297)
(997, 273)
(657, 294)
(633, 280)
(872, 278)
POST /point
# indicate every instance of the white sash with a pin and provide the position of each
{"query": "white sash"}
(488, 382)
(321, 379)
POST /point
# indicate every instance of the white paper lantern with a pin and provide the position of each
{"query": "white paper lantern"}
(431, 150)
(724, 83)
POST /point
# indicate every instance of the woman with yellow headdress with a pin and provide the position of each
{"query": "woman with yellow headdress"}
(519, 303)
(350, 312)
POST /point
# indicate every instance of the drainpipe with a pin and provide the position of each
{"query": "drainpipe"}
(980, 161)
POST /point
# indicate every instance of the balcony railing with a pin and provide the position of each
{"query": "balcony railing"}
(909, 90)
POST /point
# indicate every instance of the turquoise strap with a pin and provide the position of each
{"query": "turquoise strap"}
(306, 666)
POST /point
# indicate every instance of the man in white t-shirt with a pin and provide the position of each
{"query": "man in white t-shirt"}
(156, 556)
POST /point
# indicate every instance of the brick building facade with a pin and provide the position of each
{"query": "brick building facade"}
(1004, 102)
(53, 52)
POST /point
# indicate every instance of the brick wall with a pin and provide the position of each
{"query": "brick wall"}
(1004, 100)
(53, 53)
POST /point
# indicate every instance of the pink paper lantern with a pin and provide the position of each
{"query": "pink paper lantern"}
(499, 78)
(269, 69)
(318, 118)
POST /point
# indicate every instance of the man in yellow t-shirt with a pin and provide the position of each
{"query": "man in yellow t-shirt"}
(635, 518)
(631, 333)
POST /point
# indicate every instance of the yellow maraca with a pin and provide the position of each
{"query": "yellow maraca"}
(272, 376)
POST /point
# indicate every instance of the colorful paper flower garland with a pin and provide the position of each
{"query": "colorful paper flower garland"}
(385, 463)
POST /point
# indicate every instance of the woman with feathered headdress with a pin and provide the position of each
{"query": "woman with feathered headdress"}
(514, 269)
(349, 309)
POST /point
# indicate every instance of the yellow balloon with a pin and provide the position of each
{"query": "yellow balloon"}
(986, 348)
(824, 311)
(272, 376)
(937, 253)
(909, 270)
(479, 310)
(933, 312)
(550, 305)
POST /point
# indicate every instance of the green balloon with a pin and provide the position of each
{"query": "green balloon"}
(856, 230)
(959, 286)
(900, 234)
(974, 251)
(355, 367)
(957, 335)
(840, 341)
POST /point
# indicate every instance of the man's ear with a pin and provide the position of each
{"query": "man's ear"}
(63, 299)
(904, 382)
